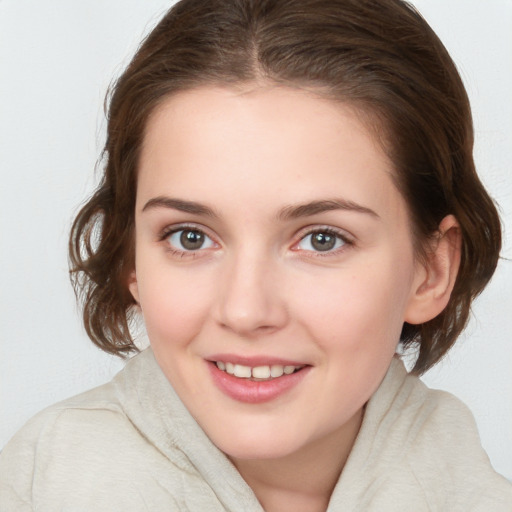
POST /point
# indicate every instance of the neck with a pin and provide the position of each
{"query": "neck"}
(304, 480)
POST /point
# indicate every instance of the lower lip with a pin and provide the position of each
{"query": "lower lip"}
(255, 392)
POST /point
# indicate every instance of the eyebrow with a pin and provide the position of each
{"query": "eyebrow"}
(288, 212)
(316, 207)
(180, 205)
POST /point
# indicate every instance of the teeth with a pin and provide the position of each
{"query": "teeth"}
(277, 370)
(242, 371)
(262, 372)
(258, 372)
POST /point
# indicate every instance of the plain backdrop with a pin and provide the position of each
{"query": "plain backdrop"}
(57, 58)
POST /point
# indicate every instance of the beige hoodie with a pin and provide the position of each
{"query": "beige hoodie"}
(131, 445)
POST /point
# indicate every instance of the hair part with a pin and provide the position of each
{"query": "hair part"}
(380, 56)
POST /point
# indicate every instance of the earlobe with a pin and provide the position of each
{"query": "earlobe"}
(133, 286)
(436, 277)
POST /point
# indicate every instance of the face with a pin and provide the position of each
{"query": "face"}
(274, 264)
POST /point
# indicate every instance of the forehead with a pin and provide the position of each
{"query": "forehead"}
(280, 143)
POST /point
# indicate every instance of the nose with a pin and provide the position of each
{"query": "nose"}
(252, 299)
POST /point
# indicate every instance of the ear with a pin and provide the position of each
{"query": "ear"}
(435, 277)
(133, 286)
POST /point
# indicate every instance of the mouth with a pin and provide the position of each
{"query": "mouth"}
(261, 373)
(254, 382)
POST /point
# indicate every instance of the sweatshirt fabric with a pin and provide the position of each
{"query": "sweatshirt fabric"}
(131, 445)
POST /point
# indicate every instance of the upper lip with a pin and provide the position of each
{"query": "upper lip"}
(254, 361)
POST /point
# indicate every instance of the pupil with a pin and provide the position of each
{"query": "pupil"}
(323, 241)
(192, 240)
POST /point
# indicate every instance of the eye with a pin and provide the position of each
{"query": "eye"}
(321, 241)
(189, 240)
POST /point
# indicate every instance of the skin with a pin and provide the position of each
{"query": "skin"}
(258, 287)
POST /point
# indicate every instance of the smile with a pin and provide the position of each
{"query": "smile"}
(257, 372)
(256, 383)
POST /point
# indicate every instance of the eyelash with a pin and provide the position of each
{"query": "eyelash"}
(169, 231)
(327, 230)
(309, 231)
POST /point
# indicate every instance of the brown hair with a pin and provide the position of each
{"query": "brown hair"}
(379, 55)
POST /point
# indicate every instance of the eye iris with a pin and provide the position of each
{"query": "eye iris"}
(323, 241)
(192, 240)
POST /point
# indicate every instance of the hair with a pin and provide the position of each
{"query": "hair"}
(380, 56)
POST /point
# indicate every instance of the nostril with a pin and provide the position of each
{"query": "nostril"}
(247, 327)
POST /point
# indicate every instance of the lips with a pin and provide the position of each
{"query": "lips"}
(263, 372)
(252, 381)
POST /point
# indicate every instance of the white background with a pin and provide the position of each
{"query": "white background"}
(57, 58)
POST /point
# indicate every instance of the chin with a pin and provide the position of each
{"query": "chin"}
(256, 444)
(251, 452)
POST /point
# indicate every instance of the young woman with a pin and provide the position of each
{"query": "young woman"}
(289, 196)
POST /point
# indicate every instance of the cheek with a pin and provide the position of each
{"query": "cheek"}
(174, 306)
(358, 309)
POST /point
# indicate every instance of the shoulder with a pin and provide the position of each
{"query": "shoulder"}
(72, 456)
(419, 449)
(95, 410)
(60, 439)
(92, 452)
(444, 455)
(97, 414)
